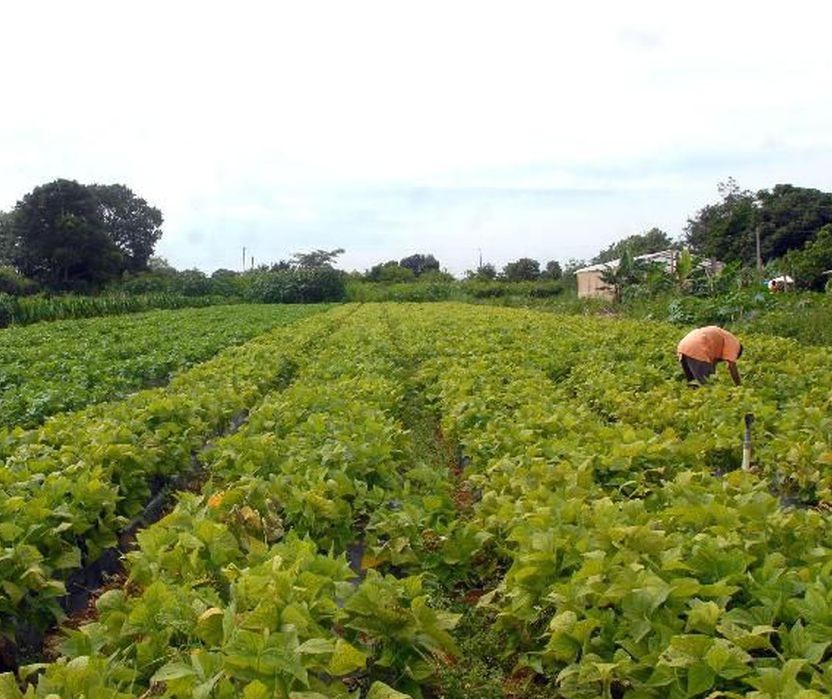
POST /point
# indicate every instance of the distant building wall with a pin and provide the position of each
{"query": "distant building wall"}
(590, 285)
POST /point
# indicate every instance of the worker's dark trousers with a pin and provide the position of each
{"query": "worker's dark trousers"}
(696, 370)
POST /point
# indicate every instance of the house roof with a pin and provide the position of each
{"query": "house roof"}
(665, 256)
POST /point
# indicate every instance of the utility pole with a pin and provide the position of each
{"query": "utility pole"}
(244, 258)
(252, 261)
(480, 265)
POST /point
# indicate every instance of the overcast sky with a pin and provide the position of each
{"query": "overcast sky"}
(520, 129)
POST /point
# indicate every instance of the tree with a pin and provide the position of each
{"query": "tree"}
(524, 269)
(484, 273)
(5, 238)
(316, 259)
(790, 217)
(787, 217)
(420, 263)
(553, 270)
(389, 271)
(653, 240)
(131, 223)
(226, 282)
(59, 238)
(807, 266)
(725, 230)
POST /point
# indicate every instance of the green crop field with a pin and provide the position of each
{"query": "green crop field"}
(54, 367)
(404, 500)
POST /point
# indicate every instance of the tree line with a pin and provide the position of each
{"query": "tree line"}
(67, 236)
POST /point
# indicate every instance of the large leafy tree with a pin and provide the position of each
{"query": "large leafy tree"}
(67, 235)
(313, 260)
(420, 264)
(808, 265)
(390, 271)
(524, 269)
(5, 238)
(786, 217)
(553, 270)
(131, 223)
(791, 217)
(59, 238)
(725, 230)
(653, 240)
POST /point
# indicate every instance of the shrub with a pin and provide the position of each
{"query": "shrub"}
(314, 285)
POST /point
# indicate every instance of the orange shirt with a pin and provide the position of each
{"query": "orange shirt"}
(709, 345)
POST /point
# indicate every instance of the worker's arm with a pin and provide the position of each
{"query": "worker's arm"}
(735, 373)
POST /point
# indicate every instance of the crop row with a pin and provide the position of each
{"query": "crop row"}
(245, 590)
(69, 487)
(56, 367)
(636, 563)
(594, 505)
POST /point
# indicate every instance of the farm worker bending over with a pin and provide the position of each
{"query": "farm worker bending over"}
(701, 349)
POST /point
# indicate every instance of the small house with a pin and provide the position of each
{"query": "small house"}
(591, 284)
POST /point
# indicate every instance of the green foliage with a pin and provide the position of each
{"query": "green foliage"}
(522, 270)
(69, 236)
(16, 310)
(407, 291)
(474, 289)
(791, 217)
(483, 273)
(107, 358)
(132, 225)
(301, 285)
(653, 240)
(419, 264)
(15, 284)
(389, 272)
(60, 240)
(69, 487)
(316, 259)
(807, 265)
(633, 568)
(591, 507)
(553, 271)
(787, 217)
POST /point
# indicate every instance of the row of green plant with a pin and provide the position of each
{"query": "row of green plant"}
(24, 310)
(245, 590)
(70, 486)
(55, 367)
(595, 509)
(170, 290)
(634, 559)
(450, 290)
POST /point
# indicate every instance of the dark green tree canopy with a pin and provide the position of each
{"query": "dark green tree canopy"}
(131, 223)
(389, 271)
(522, 270)
(553, 270)
(70, 236)
(788, 217)
(725, 230)
(808, 265)
(315, 259)
(420, 264)
(654, 240)
(485, 272)
(5, 238)
(58, 237)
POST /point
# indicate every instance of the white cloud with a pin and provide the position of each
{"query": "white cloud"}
(286, 123)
